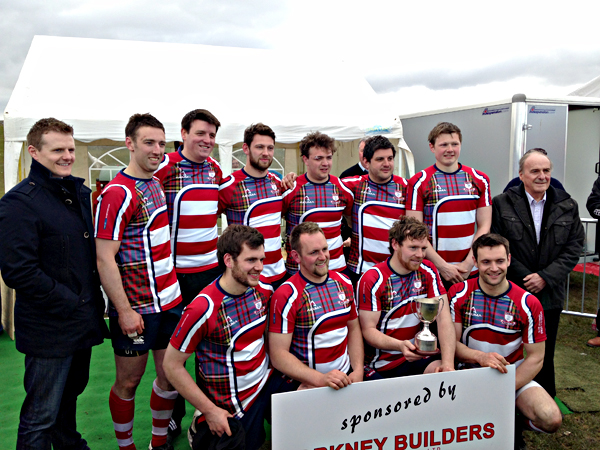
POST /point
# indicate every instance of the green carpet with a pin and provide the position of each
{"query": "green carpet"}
(563, 408)
(93, 415)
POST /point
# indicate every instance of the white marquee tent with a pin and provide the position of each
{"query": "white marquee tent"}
(589, 89)
(96, 85)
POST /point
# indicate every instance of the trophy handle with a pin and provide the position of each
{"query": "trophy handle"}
(441, 299)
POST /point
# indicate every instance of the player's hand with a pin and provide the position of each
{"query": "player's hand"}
(288, 181)
(493, 360)
(464, 268)
(408, 348)
(348, 242)
(356, 376)
(131, 322)
(443, 368)
(451, 273)
(217, 421)
(335, 379)
(534, 283)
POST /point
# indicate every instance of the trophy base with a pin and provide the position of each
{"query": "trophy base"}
(426, 353)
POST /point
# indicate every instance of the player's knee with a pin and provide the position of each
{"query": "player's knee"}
(431, 367)
(550, 418)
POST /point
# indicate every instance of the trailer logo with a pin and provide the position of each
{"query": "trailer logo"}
(542, 110)
(497, 110)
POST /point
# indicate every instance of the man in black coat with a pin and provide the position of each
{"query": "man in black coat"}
(47, 255)
(546, 237)
(593, 207)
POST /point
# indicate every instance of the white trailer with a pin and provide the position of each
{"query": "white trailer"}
(495, 135)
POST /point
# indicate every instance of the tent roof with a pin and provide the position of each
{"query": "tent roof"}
(590, 89)
(96, 85)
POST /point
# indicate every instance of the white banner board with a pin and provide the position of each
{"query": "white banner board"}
(467, 409)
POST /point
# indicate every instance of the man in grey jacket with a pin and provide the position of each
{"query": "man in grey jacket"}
(546, 238)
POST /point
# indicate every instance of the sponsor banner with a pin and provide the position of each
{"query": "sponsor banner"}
(467, 409)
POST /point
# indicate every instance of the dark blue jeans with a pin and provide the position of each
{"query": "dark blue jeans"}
(48, 412)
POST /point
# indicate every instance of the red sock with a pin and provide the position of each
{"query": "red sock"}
(161, 404)
(122, 411)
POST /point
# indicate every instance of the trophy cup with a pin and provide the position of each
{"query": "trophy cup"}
(426, 310)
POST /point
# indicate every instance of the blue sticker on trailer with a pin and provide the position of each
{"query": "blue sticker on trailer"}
(542, 110)
(497, 110)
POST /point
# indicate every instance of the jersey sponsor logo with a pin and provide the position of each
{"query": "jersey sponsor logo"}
(306, 200)
(248, 193)
(473, 312)
(147, 202)
(438, 188)
(181, 174)
(313, 306)
(368, 191)
(540, 323)
(230, 322)
(508, 319)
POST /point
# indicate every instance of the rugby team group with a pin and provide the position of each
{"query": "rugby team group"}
(329, 305)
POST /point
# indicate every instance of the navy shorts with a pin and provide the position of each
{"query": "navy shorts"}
(403, 370)
(158, 328)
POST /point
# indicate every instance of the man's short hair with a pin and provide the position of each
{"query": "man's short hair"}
(490, 240)
(233, 239)
(316, 139)
(407, 228)
(375, 143)
(443, 128)
(138, 121)
(43, 126)
(199, 114)
(257, 128)
(299, 230)
(530, 152)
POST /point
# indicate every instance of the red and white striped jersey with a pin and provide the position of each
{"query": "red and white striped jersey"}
(449, 203)
(227, 334)
(256, 202)
(192, 192)
(497, 324)
(323, 203)
(383, 289)
(375, 209)
(133, 211)
(318, 316)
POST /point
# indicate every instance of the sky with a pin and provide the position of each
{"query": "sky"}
(417, 55)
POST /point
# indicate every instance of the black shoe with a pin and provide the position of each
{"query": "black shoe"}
(166, 446)
(173, 431)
